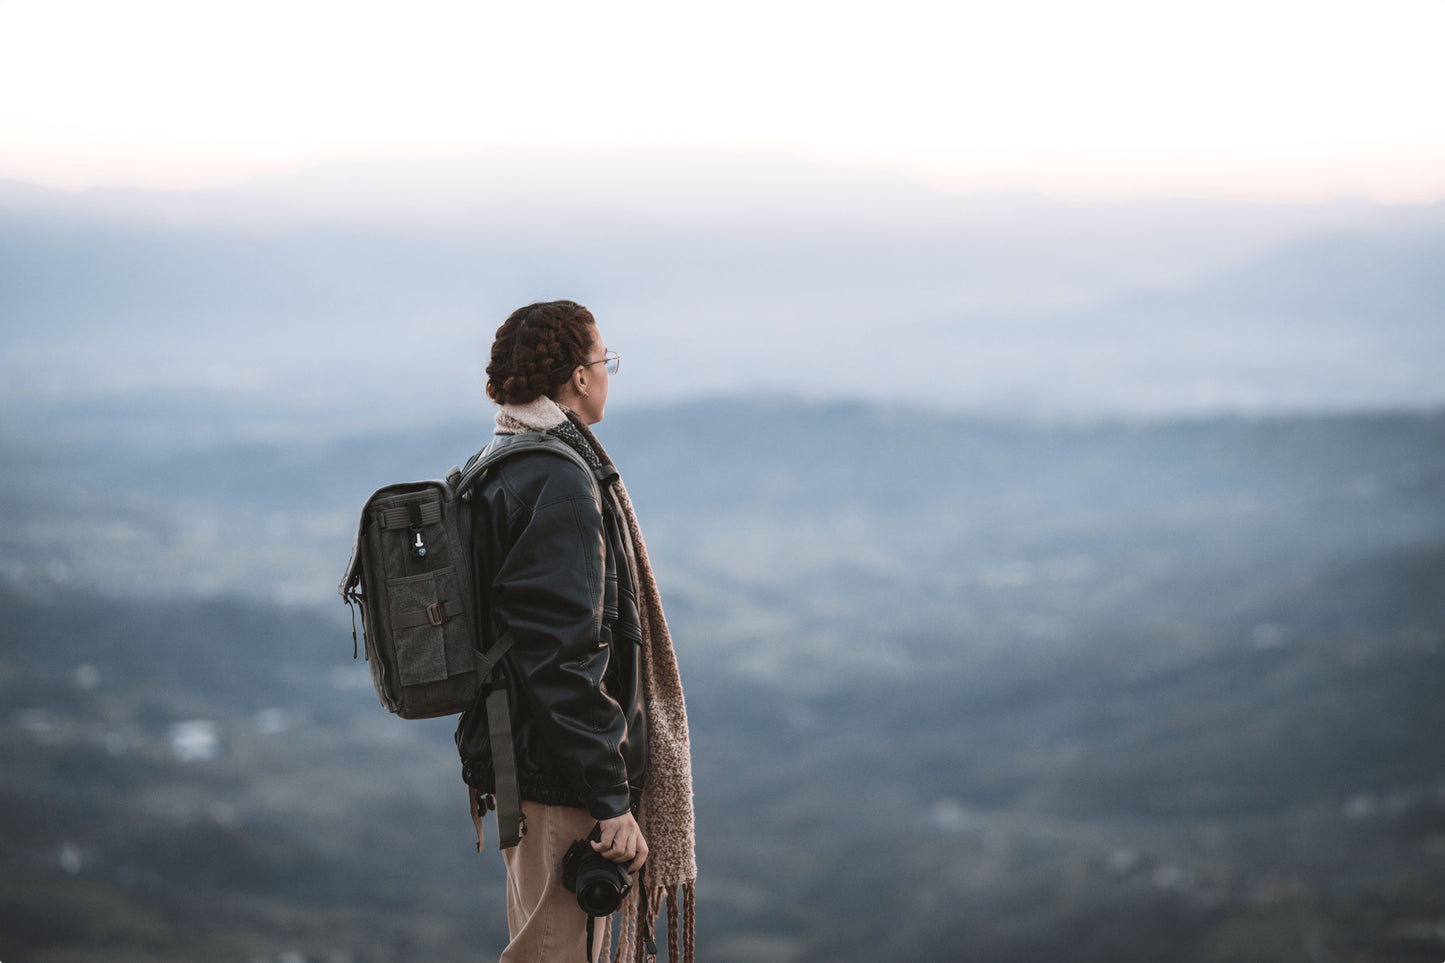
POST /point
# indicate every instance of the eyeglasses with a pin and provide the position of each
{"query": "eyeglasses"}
(613, 361)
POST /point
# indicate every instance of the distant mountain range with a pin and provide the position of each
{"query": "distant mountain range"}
(371, 293)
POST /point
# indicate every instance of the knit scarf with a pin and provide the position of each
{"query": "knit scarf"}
(665, 813)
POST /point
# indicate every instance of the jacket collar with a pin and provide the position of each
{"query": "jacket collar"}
(545, 415)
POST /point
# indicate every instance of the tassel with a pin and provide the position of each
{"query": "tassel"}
(672, 924)
(689, 925)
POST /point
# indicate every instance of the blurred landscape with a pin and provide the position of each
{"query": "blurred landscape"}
(1049, 581)
(368, 295)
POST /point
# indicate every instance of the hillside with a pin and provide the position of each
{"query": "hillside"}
(959, 689)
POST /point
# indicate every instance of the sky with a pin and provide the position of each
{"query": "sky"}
(1260, 100)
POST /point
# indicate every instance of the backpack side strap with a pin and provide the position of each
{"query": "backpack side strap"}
(504, 762)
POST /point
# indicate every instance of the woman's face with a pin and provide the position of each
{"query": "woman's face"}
(591, 394)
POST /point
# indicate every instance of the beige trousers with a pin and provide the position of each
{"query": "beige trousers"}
(546, 924)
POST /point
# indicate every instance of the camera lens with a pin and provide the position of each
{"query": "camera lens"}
(598, 897)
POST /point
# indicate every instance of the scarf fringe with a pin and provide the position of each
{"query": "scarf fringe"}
(681, 919)
(672, 923)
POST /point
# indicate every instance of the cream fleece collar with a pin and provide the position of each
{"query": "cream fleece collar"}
(538, 415)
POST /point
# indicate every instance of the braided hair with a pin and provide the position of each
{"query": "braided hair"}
(536, 350)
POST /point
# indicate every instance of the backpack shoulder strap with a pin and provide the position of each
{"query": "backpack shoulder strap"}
(510, 822)
(504, 446)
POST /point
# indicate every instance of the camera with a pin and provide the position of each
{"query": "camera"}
(600, 884)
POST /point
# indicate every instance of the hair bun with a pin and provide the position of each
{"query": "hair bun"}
(536, 350)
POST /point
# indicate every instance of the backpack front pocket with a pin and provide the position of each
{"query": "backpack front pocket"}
(425, 623)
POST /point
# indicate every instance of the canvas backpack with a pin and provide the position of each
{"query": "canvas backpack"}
(425, 621)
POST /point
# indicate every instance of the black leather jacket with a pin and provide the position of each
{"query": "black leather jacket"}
(552, 547)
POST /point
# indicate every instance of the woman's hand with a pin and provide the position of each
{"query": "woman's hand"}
(622, 842)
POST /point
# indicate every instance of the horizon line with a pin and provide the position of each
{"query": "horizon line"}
(925, 177)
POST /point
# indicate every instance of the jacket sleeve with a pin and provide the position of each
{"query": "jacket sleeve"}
(549, 592)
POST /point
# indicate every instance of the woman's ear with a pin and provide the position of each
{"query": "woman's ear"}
(573, 387)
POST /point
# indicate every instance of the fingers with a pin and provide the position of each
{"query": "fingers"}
(620, 846)
(634, 854)
(641, 857)
(622, 842)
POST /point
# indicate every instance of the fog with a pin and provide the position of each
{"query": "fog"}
(368, 295)
(1048, 579)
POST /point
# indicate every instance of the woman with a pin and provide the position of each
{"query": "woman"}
(598, 717)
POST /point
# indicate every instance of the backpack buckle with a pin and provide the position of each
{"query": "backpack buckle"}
(434, 614)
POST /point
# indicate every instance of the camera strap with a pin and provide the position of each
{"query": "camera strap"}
(649, 944)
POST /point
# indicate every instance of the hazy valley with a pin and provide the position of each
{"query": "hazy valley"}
(960, 688)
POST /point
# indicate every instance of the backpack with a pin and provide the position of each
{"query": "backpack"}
(423, 617)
